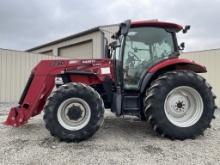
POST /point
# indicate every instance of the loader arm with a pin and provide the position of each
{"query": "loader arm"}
(42, 81)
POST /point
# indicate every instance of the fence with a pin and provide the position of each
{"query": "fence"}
(210, 59)
(15, 68)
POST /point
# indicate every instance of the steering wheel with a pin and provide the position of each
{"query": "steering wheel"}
(133, 56)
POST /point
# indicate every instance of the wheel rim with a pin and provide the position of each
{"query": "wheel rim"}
(74, 114)
(183, 106)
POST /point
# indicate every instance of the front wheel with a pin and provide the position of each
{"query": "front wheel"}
(179, 105)
(74, 112)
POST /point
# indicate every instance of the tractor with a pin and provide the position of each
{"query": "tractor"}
(141, 75)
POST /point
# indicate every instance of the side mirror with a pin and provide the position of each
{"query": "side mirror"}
(123, 29)
(107, 52)
(182, 46)
(111, 47)
(186, 28)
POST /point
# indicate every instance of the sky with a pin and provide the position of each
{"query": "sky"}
(28, 23)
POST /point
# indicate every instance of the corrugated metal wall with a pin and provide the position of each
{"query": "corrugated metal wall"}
(210, 59)
(77, 51)
(15, 68)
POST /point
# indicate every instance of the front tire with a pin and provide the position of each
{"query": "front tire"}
(74, 112)
(179, 105)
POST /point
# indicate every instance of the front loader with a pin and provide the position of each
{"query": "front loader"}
(142, 75)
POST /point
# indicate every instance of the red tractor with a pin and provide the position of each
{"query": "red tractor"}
(142, 76)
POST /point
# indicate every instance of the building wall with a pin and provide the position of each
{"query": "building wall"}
(210, 59)
(15, 68)
(109, 31)
(49, 52)
(95, 37)
(77, 51)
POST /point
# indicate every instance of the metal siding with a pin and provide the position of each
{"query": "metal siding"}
(97, 45)
(77, 51)
(15, 68)
(95, 37)
(109, 31)
(211, 60)
(49, 52)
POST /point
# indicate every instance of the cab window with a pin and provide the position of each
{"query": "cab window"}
(144, 47)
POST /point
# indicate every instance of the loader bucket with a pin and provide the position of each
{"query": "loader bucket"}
(15, 117)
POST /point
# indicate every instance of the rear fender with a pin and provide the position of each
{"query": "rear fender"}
(169, 65)
(178, 64)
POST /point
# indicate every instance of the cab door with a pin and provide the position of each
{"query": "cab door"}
(143, 48)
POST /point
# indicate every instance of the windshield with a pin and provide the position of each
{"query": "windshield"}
(144, 47)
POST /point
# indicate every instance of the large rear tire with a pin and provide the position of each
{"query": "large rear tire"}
(74, 112)
(179, 105)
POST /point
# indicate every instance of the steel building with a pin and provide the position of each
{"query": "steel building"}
(86, 44)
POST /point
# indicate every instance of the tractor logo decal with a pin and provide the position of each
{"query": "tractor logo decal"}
(88, 61)
(57, 63)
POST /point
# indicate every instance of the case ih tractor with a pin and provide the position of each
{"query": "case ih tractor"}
(142, 76)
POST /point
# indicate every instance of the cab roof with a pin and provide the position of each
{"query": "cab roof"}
(156, 23)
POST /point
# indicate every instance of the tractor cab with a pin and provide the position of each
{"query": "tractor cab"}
(138, 47)
(141, 45)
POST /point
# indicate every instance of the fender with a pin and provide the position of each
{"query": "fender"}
(168, 65)
(178, 64)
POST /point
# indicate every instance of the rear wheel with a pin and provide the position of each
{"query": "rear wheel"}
(183, 106)
(74, 112)
(179, 105)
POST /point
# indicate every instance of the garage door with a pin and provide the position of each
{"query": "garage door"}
(49, 52)
(77, 51)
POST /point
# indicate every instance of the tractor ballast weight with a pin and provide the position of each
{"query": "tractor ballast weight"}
(74, 111)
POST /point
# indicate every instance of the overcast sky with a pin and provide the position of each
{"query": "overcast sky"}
(28, 23)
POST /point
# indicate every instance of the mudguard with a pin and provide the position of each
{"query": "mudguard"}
(178, 64)
(170, 64)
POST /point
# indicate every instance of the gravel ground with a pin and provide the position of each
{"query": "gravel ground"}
(119, 141)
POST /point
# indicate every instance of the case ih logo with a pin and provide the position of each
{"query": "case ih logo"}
(57, 63)
(88, 61)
